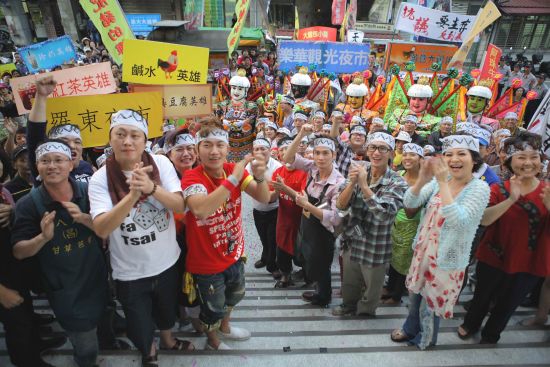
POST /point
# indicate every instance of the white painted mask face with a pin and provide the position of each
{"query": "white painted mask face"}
(238, 93)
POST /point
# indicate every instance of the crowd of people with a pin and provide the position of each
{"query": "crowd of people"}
(156, 224)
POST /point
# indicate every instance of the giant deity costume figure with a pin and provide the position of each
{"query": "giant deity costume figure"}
(300, 84)
(239, 117)
(356, 93)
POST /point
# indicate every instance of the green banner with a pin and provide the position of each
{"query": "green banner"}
(111, 23)
(241, 9)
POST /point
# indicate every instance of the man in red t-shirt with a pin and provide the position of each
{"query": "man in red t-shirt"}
(287, 182)
(215, 240)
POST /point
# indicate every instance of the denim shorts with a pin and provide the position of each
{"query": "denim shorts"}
(219, 293)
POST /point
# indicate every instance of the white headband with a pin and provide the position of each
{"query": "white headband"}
(300, 116)
(271, 125)
(378, 121)
(168, 127)
(382, 138)
(320, 114)
(337, 114)
(284, 130)
(358, 129)
(65, 131)
(446, 120)
(460, 141)
(413, 148)
(129, 117)
(326, 127)
(263, 120)
(324, 142)
(502, 132)
(463, 126)
(429, 148)
(411, 118)
(513, 150)
(285, 143)
(52, 147)
(181, 140)
(261, 143)
(216, 134)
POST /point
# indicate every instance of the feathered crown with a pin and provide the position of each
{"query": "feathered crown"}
(423, 80)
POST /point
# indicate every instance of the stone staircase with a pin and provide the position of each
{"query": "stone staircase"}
(288, 332)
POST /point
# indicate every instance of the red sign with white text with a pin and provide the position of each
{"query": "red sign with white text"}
(317, 34)
(489, 71)
(338, 11)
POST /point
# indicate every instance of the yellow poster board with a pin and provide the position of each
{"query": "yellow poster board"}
(148, 62)
(93, 113)
(7, 67)
(182, 101)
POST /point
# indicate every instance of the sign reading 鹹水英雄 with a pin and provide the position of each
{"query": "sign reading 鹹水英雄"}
(148, 62)
(334, 57)
(79, 81)
(109, 19)
(46, 55)
(182, 100)
(92, 114)
(434, 24)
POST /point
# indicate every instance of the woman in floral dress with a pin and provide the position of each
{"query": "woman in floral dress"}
(454, 201)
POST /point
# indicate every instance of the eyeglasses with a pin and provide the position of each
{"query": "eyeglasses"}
(56, 162)
(381, 148)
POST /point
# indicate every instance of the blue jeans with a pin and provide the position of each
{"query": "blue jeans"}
(422, 324)
(219, 293)
(85, 347)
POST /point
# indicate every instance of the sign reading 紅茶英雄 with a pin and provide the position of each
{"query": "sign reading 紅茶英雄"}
(142, 24)
(147, 62)
(434, 24)
(334, 57)
(317, 34)
(93, 114)
(79, 81)
(48, 54)
(109, 19)
(489, 71)
(182, 100)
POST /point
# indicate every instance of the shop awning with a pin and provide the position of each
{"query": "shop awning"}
(524, 7)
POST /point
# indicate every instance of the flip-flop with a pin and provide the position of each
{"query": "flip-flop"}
(464, 336)
(399, 336)
(184, 345)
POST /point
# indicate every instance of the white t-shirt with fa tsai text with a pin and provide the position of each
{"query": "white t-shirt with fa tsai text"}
(144, 245)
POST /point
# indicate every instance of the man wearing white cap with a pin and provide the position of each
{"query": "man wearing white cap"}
(239, 117)
(132, 200)
(318, 120)
(265, 215)
(479, 98)
(52, 224)
(352, 149)
(400, 140)
(511, 122)
(410, 125)
(445, 129)
(70, 134)
(419, 96)
(373, 194)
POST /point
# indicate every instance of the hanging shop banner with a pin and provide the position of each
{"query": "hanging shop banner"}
(93, 114)
(434, 24)
(485, 17)
(7, 68)
(334, 57)
(194, 13)
(111, 23)
(182, 100)
(423, 54)
(338, 11)
(241, 9)
(164, 63)
(79, 81)
(355, 36)
(317, 34)
(489, 71)
(142, 24)
(48, 54)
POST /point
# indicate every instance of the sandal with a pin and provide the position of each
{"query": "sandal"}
(184, 345)
(467, 334)
(399, 336)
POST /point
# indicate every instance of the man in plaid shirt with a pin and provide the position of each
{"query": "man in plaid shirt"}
(373, 194)
(347, 151)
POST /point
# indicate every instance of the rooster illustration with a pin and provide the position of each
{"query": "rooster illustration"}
(170, 65)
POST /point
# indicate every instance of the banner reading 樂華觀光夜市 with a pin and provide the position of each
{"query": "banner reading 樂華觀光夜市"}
(111, 23)
(148, 62)
(334, 57)
(79, 81)
(93, 114)
(48, 54)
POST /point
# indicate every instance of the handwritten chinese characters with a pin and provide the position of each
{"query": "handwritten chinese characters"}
(182, 101)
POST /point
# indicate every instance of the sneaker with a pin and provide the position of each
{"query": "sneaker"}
(259, 264)
(221, 346)
(343, 310)
(51, 343)
(236, 333)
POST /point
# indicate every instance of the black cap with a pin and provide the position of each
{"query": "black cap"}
(19, 150)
